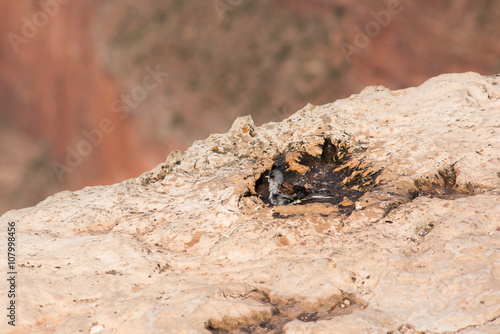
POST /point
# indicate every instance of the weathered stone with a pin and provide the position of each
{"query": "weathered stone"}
(190, 246)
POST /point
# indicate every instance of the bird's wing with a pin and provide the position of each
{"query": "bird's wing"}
(287, 189)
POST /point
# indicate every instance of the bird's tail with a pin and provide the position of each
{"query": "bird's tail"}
(316, 198)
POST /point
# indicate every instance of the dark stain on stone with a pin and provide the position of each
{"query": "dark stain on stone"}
(307, 317)
(279, 215)
(442, 185)
(335, 171)
(286, 310)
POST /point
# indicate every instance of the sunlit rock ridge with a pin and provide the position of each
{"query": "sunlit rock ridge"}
(193, 245)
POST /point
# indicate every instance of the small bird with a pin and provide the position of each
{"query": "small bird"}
(283, 193)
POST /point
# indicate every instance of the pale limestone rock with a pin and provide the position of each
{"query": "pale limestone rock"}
(189, 244)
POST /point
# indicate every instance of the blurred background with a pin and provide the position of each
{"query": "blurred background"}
(95, 92)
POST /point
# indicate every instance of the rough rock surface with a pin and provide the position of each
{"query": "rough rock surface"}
(190, 247)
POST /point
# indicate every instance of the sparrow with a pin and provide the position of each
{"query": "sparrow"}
(283, 193)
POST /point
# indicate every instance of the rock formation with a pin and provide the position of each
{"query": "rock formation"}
(192, 246)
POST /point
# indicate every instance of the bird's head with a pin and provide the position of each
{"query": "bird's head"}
(275, 176)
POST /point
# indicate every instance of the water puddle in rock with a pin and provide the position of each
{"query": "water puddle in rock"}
(335, 173)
